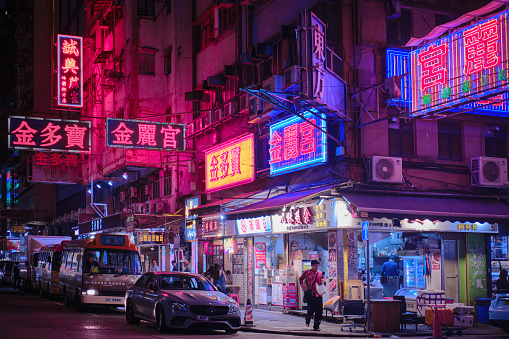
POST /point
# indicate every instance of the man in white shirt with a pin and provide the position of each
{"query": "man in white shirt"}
(154, 268)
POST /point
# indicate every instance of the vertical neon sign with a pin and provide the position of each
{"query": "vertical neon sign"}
(70, 70)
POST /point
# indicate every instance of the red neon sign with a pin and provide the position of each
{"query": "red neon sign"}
(70, 75)
(481, 47)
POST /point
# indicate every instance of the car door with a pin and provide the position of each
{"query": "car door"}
(137, 289)
(147, 298)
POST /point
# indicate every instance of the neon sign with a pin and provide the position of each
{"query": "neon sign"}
(397, 64)
(253, 225)
(296, 143)
(463, 69)
(191, 218)
(144, 134)
(230, 164)
(70, 70)
(49, 134)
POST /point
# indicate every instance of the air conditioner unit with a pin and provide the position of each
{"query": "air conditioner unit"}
(227, 110)
(385, 169)
(192, 186)
(291, 78)
(243, 104)
(193, 96)
(191, 167)
(488, 171)
(273, 84)
(212, 115)
(133, 192)
(148, 191)
(216, 81)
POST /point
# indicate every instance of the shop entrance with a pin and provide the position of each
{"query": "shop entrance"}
(450, 248)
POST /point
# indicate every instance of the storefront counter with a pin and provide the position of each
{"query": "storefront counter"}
(384, 315)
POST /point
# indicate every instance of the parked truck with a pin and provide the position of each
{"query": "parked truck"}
(29, 256)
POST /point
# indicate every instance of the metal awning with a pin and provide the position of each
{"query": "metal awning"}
(437, 206)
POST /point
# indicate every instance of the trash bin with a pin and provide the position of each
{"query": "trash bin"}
(483, 306)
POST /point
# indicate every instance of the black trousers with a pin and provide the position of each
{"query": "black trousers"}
(315, 306)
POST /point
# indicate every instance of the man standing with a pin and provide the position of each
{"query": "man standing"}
(154, 268)
(308, 280)
(390, 268)
(15, 274)
(175, 267)
(186, 266)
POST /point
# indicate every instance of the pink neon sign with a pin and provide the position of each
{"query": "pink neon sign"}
(70, 74)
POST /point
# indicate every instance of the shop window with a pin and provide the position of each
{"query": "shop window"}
(495, 141)
(399, 30)
(146, 62)
(449, 141)
(205, 32)
(167, 61)
(401, 139)
(146, 7)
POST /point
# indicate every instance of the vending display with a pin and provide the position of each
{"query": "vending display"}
(413, 272)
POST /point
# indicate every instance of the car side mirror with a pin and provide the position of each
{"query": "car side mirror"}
(219, 288)
(152, 286)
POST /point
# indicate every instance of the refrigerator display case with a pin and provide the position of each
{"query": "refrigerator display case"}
(413, 272)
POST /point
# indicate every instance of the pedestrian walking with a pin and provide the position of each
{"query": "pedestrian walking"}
(154, 268)
(308, 281)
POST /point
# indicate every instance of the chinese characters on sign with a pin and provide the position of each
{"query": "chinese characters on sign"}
(212, 227)
(230, 164)
(296, 143)
(56, 167)
(151, 238)
(190, 219)
(144, 134)
(54, 135)
(253, 225)
(459, 69)
(70, 76)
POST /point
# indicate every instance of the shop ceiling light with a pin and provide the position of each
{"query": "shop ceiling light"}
(97, 185)
(125, 175)
(110, 183)
(89, 191)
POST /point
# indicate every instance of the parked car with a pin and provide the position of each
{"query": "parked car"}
(181, 300)
(6, 271)
(499, 310)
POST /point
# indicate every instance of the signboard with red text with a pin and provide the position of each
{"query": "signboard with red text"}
(70, 70)
(254, 225)
(144, 134)
(230, 164)
(296, 143)
(49, 135)
(471, 65)
(55, 167)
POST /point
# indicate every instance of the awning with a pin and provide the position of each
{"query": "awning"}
(276, 203)
(440, 207)
(215, 207)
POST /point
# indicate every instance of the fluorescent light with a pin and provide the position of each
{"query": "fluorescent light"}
(97, 185)
(89, 191)
(110, 183)
(125, 175)
(321, 201)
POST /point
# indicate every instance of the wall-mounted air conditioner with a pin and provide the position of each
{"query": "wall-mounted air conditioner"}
(227, 110)
(273, 84)
(385, 169)
(243, 104)
(488, 171)
(291, 78)
(148, 192)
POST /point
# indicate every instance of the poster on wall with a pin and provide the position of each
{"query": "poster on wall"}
(260, 255)
(262, 295)
(435, 260)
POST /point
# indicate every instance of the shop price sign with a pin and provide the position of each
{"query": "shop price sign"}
(296, 143)
(70, 70)
(466, 66)
(49, 134)
(144, 134)
(254, 225)
(153, 238)
(230, 164)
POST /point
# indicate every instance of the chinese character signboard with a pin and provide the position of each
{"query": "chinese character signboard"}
(254, 225)
(469, 65)
(49, 134)
(295, 143)
(152, 238)
(55, 167)
(191, 218)
(305, 217)
(230, 164)
(211, 227)
(110, 222)
(70, 71)
(144, 134)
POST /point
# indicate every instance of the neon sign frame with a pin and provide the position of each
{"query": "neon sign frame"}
(62, 78)
(319, 156)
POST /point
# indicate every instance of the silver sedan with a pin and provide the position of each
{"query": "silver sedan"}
(180, 300)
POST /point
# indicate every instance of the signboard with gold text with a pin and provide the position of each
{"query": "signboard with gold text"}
(230, 164)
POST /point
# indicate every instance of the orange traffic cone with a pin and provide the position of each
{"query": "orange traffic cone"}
(437, 331)
(248, 316)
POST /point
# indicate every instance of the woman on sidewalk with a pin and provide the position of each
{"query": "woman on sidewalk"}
(308, 280)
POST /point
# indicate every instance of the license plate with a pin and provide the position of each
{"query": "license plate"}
(202, 317)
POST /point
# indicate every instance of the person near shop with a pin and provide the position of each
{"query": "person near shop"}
(390, 268)
(15, 274)
(175, 266)
(154, 268)
(308, 280)
(186, 266)
(502, 283)
(219, 278)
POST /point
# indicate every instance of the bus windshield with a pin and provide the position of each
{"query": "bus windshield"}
(112, 261)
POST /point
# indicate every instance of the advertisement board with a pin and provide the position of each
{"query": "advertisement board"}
(70, 70)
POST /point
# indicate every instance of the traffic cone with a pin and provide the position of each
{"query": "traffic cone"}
(437, 331)
(248, 315)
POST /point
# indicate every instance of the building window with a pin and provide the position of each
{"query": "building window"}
(146, 62)
(401, 139)
(205, 32)
(167, 61)
(227, 19)
(399, 30)
(146, 7)
(167, 184)
(449, 141)
(156, 190)
(495, 141)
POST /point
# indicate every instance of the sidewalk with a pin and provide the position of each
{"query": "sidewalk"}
(279, 323)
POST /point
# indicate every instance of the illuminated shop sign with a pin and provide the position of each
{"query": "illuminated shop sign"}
(144, 134)
(471, 64)
(70, 70)
(49, 134)
(191, 218)
(212, 227)
(304, 217)
(152, 238)
(56, 167)
(296, 143)
(254, 225)
(230, 164)
(110, 222)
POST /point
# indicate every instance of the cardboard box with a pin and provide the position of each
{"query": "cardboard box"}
(464, 320)
(445, 316)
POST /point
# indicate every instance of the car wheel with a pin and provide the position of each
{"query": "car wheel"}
(129, 314)
(160, 319)
(231, 331)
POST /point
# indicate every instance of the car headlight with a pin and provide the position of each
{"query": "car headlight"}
(92, 292)
(178, 306)
(234, 308)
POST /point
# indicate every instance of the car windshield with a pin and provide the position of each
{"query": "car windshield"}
(185, 282)
(112, 261)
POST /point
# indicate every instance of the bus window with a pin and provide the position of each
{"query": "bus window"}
(115, 261)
